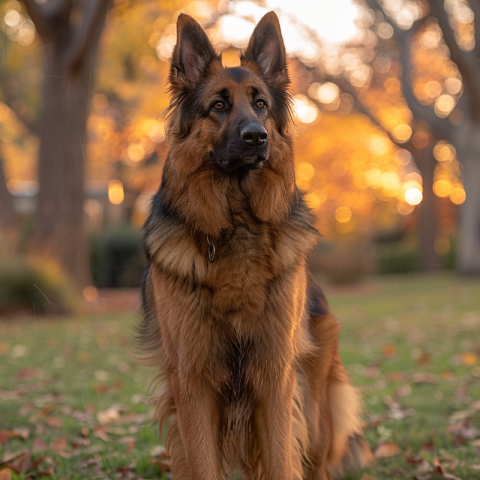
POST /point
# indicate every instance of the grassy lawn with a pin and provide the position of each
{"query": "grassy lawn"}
(74, 404)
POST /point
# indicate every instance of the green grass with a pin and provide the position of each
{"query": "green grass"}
(57, 374)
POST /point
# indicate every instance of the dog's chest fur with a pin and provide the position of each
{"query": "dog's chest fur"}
(227, 313)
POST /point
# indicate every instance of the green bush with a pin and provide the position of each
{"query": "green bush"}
(117, 258)
(397, 258)
(34, 286)
(341, 264)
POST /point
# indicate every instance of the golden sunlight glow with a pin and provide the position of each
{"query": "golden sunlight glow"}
(135, 152)
(378, 145)
(343, 214)
(327, 92)
(404, 208)
(115, 192)
(413, 196)
(442, 188)
(305, 171)
(444, 152)
(444, 104)
(457, 196)
(402, 133)
(305, 110)
(333, 21)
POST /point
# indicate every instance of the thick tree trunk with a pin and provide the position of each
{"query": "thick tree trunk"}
(59, 223)
(70, 61)
(429, 260)
(469, 241)
(8, 217)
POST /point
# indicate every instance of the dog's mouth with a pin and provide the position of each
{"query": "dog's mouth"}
(252, 159)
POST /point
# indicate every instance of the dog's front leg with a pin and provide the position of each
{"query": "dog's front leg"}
(198, 425)
(273, 427)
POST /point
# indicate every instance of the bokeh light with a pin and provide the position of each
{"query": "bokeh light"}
(115, 192)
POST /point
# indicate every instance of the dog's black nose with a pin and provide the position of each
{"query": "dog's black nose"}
(254, 134)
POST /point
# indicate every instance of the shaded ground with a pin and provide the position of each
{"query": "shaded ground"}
(73, 402)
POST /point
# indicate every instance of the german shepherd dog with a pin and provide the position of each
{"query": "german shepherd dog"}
(239, 331)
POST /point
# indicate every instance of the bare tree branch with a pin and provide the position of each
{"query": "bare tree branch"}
(404, 39)
(467, 62)
(43, 26)
(94, 18)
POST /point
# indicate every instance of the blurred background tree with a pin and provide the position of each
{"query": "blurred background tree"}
(386, 105)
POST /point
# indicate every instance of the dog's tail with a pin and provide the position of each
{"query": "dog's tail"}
(349, 450)
(357, 455)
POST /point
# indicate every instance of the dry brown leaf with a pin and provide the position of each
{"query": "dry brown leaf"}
(420, 463)
(39, 444)
(387, 449)
(21, 463)
(54, 422)
(5, 474)
(60, 443)
(8, 457)
(100, 433)
(108, 416)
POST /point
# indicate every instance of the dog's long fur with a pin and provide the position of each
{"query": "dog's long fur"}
(247, 349)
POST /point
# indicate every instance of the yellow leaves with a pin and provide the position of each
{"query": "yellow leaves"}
(469, 359)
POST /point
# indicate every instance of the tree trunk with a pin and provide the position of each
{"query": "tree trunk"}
(429, 260)
(8, 217)
(59, 223)
(70, 63)
(469, 241)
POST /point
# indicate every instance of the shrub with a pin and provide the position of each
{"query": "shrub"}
(34, 286)
(117, 257)
(397, 258)
(342, 264)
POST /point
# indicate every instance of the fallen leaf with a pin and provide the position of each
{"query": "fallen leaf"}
(21, 463)
(5, 435)
(469, 359)
(158, 451)
(21, 433)
(39, 445)
(100, 433)
(11, 456)
(387, 449)
(420, 463)
(54, 422)
(163, 465)
(108, 416)
(389, 350)
(60, 443)
(5, 474)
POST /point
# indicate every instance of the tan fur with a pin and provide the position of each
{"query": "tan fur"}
(250, 371)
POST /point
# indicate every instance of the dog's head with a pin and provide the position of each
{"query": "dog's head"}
(228, 130)
(233, 113)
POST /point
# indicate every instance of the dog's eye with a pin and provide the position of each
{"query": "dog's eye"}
(219, 105)
(260, 104)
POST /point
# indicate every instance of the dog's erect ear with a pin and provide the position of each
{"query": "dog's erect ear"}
(191, 55)
(267, 50)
